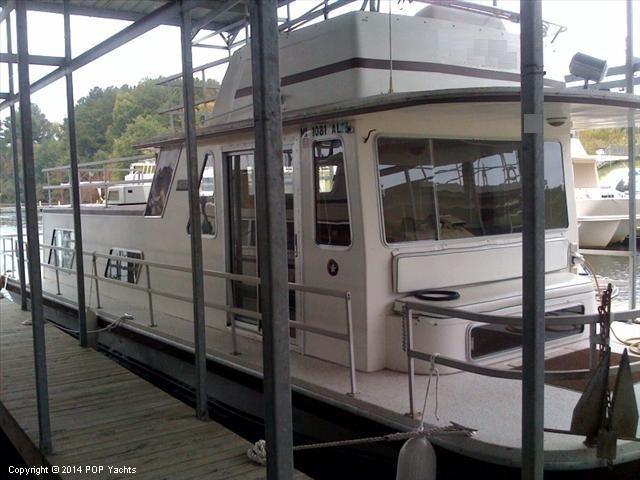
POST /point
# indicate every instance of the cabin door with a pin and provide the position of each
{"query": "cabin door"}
(243, 232)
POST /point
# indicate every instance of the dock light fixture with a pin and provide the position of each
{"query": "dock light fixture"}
(588, 67)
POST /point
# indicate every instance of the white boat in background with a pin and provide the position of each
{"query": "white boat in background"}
(602, 204)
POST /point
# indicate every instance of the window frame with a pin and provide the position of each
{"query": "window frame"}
(215, 197)
(53, 253)
(381, 226)
(313, 189)
(137, 270)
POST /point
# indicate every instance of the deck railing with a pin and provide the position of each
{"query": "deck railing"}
(103, 172)
(346, 336)
(442, 313)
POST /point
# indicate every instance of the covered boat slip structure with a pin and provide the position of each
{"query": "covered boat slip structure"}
(378, 222)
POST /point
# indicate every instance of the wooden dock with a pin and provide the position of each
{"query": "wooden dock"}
(102, 415)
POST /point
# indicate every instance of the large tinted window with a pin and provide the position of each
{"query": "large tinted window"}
(443, 188)
(406, 186)
(333, 226)
(123, 270)
(161, 184)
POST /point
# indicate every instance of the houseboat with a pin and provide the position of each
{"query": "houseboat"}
(402, 182)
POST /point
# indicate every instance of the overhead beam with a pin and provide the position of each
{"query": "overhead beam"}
(212, 15)
(148, 22)
(33, 59)
(97, 12)
(7, 7)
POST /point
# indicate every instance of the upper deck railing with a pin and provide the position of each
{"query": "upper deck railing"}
(99, 176)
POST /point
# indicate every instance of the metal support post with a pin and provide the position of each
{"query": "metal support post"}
(16, 177)
(352, 357)
(272, 245)
(631, 149)
(33, 247)
(533, 255)
(193, 177)
(75, 184)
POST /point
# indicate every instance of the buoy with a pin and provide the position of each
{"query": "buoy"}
(417, 460)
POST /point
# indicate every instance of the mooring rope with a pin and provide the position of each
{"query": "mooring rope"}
(258, 453)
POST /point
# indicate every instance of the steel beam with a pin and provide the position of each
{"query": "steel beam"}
(16, 177)
(272, 245)
(193, 178)
(34, 59)
(631, 150)
(140, 27)
(74, 179)
(30, 200)
(533, 233)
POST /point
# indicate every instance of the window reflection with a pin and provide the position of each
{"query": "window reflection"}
(207, 198)
(445, 188)
(333, 225)
(161, 184)
(65, 239)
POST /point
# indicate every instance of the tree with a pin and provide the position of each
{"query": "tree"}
(94, 117)
(141, 128)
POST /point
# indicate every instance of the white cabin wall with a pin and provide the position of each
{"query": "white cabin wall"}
(491, 121)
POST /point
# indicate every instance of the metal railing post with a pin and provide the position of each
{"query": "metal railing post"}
(95, 277)
(352, 363)
(152, 322)
(55, 257)
(13, 261)
(408, 330)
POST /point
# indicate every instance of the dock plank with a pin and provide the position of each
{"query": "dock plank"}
(102, 414)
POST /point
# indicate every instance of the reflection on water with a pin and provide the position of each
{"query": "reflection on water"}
(616, 269)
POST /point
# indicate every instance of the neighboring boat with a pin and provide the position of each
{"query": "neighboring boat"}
(387, 195)
(602, 205)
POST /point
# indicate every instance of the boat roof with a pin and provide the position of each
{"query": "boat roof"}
(586, 109)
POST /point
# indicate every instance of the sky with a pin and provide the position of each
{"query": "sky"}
(595, 27)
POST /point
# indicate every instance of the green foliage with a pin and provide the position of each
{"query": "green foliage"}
(109, 122)
(592, 140)
(140, 128)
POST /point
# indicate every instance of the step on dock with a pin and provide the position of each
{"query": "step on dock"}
(103, 415)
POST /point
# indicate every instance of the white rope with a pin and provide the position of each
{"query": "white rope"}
(432, 370)
(258, 453)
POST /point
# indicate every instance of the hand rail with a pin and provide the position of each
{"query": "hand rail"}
(147, 264)
(409, 308)
(110, 161)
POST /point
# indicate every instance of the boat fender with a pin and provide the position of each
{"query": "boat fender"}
(437, 295)
(416, 460)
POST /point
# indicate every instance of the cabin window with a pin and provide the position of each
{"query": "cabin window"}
(406, 187)
(333, 224)
(124, 270)
(207, 198)
(65, 239)
(161, 183)
(451, 188)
